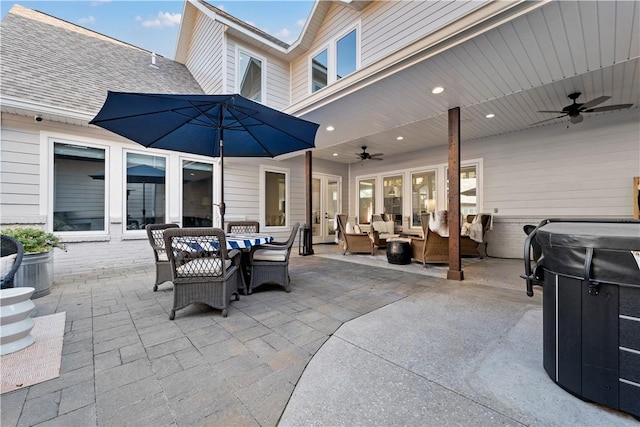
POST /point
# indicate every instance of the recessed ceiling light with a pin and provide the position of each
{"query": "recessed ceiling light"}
(335, 154)
(437, 89)
(330, 128)
(400, 138)
(490, 116)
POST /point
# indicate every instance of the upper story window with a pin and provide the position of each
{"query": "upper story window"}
(339, 59)
(250, 70)
(346, 51)
(319, 71)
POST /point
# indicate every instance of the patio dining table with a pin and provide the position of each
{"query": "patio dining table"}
(246, 240)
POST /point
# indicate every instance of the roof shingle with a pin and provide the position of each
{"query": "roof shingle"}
(56, 63)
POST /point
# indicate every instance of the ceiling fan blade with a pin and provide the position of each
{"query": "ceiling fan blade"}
(377, 154)
(576, 119)
(547, 120)
(594, 102)
(555, 112)
(607, 108)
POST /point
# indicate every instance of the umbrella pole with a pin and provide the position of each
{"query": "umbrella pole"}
(144, 202)
(222, 205)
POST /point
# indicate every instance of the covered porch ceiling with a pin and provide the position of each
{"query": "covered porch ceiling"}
(528, 64)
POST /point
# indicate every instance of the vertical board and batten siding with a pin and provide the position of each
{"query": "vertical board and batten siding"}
(19, 173)
(386, 27)
(205, 56)
(546, 172)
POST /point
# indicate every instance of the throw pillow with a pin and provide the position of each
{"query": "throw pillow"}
(379, 226)
(6, 263)
(390, 227)
(349, 229)
(438, 223)
(357, 229)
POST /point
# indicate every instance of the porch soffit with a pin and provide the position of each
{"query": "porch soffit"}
(528, 64)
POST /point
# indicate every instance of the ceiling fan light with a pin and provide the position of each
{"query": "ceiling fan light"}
(576, 119)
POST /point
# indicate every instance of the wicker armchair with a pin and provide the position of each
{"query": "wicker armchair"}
(433, 248)
(202, 269)
(155, 234)
(270, 263)
(12, 252)
(354, 243)
(242, 227)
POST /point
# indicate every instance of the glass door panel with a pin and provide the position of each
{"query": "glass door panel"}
(423, 195)
(392, 197)
(325, 204)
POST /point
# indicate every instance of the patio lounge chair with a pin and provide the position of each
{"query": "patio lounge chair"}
(202, 269)
(242, 227)
(356, 243)
(12, 252)
(433, 248)
(270, 263)
(155, 234)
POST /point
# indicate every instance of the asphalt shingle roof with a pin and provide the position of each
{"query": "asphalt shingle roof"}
(59, 64)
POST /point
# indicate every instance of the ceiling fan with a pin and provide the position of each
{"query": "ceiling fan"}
(366, 156)
(575, 110)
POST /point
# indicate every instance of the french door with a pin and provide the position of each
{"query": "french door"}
(326, 202)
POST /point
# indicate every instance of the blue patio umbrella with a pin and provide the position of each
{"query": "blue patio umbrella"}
(140, 174)
(209, 125)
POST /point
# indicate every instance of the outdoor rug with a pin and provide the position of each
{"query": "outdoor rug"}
(40, 361)
(380, 260)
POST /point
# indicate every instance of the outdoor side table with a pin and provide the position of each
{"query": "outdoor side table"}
(399, 251)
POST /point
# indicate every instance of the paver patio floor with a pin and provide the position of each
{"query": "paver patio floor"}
(420, 350)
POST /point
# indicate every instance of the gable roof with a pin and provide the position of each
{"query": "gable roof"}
(53, 65)
(254, 36)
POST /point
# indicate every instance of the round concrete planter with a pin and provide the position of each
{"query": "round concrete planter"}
(15, 323)
(36, 271)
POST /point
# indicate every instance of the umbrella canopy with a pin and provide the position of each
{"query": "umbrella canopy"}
(209, 125)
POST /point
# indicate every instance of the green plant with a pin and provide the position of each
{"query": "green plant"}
(34, 240)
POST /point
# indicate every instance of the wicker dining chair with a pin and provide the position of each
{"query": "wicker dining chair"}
(242, 227)
(270, 263)
(202, 268)
(155, 234)
(12, 253)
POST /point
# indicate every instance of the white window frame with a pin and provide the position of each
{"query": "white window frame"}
(376, 196)
(334, 43)
(263, 75)
(332, 56)
(441, 186)
(167, 183)
(49, 140)
(287, 209)
(214, 183)
(326, 47)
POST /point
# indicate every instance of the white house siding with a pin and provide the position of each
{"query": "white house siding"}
(19, 173)
(205, 57)
(276, 92)
(386, 27)
(546, 172)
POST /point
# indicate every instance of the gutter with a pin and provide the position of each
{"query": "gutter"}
(32, 107)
